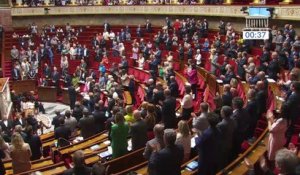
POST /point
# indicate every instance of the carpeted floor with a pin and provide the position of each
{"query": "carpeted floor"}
(50, 109)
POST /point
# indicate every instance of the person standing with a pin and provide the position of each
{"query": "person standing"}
(118, 135)
(183, 138)
(138, 131)
(20, 154)
(87, 124)
(35, 143)
(72, 96)
(169, 110)
(168, 160)
(277, 126)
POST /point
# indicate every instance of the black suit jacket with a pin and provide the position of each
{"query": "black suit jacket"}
(242, 119)
(7, 129)
(261, 101)
(62, 132)
(273, 69)
(167, 161)
(227, 99)
(100, 119)
(169, 112)
(87, 126)
(17, 122)
(293, 105)
(55, 121)
(228, 77)
(174, 88)
(138, 132)
(16, 74)
(35, 144)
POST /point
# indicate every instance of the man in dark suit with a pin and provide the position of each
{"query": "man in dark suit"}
(227, 95)
(35, 144)
(168, 42)
(149, 89)
(7, 128)
(55, 120)
(139, 31)
(148, 26)
(16, 74)
(158, 54)
(124, 63)
(55, 77)
(168, 23)
(291, 107)
(19, 120)
(99, 118)
(273, 67)
(106, 26)
(168, 160)
(47, 71)
(174, 87)
(190, 53)
(229, 75)
(67, 80)
(85, 53)
(138, 131)
(72, 96)
(261, 98)
(226, 128)
(169, 110)
(77, 111)
(242, 118)
(252, 110)
(209, 146)
(62, 133)
(87, 124)
(158, 94)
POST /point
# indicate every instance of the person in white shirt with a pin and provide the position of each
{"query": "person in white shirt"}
(105, 35)
(112, 35)
(187, 103)
(121, 49)
(198, 57)
(73, 52)
(141, 61)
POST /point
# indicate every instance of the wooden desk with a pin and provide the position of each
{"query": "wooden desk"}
(47, 136)
(24, 86)
(34, 164)
(47, 93)
(65, 96)
(57, 168)
(83, 144)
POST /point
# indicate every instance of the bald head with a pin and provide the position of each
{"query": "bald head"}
(261, 75)
(260, 85)
(137, 115)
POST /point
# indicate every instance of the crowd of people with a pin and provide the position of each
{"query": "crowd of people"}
(220, 127)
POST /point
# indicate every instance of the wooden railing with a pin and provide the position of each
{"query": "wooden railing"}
(254, 152)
